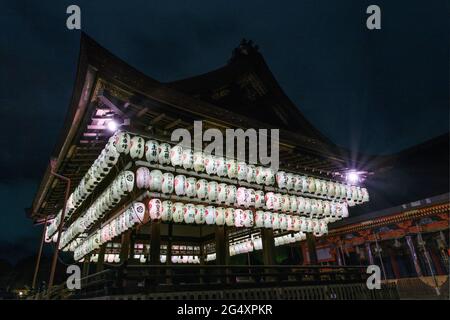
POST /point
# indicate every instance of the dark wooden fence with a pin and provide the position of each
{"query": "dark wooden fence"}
(225, 282)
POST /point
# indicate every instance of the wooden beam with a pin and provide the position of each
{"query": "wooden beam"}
(157, 118)
(222, 252)
(268, 246)
(110, 105)
(86, 264)
(101, 258)
(125, 246)
(155, 242)
(173, 124)
(141, 112)
(311, 241)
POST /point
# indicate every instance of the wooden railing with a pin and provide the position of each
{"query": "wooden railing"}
(169, 281)
(422, 287)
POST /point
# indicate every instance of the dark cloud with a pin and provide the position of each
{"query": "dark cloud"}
(381, 91)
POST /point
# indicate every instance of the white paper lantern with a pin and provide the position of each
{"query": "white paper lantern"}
(166, 212)
(260, 175)
(231, 168)
(231, 192)
(210, 215)
(259, 219)
(229, 217)
(242, 171)
(179, 185)
(213, 190)
(189, 213)
(190, 187)
(122, 143)
(199, 165)
(221, 193)
(176, 156)
(221, 167)
(281, 178)
(268, 219)
(210, 164)
(269, 178)
(220, 216)
(275, 221)
(151, 151)
(251, 173)
(247, 218)
(177, 212)
(199, 217)
(167, 183)
(202, 188)
(156, 177)
(259, 199)
(188, 159)
(137, 147)
(155, 209)
(164, 153)
(143, 178)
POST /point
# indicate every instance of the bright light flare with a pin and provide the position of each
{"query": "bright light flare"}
(353, 177)
(112, 125)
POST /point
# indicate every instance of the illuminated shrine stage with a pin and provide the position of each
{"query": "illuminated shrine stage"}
(145, 217)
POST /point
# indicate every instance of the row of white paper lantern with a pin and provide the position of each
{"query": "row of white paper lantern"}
(126, 220)
(96, 173)
(330, 189)
(245, 246)
(106, 160)
(185, 259)
(289, 238)
(214, 192)
(165, 154)
(210, 257)
(202, 189)
(193, 214)
(250, 245)
(243, 196)
(111, 196)
(177, 156)
(199, 214)
(303, 206)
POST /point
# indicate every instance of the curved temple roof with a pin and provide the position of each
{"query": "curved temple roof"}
(242, 94)
(246, 85)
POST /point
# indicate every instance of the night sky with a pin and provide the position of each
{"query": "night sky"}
(373, 91)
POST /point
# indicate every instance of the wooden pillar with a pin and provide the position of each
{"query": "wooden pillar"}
(413, 255)
(38, 260)
(311, 241)
(369, 252)
(201, 257)
(155, 242)
(222, 251)
(101, 258)
(169, 255)
(125, 247)
(436, 262)
(169, 244)
(268, 246)
(86, 263)
(305, 255)
(132, 244)
(337, 255)
(394, 263)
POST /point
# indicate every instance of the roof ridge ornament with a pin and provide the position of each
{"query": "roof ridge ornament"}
(245, 48)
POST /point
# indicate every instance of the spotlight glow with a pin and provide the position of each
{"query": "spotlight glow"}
(112, 125)
(353, 177)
